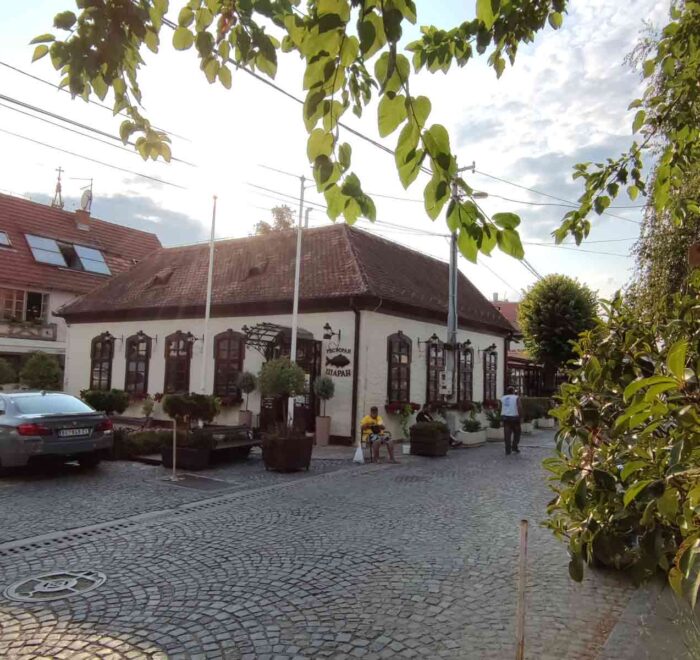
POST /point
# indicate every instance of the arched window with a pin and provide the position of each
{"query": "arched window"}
(399, 363)
(490, 375)
(436, 364)
(465, 375)
(101, 353)
(229, 351)
(178, 353)
(138, 355)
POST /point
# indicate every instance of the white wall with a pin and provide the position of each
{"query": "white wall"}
(375, 327)
(81, 334)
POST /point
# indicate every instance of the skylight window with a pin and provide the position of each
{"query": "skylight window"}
(92, 260)
(75, 257)
(4, 239)
(46, 250)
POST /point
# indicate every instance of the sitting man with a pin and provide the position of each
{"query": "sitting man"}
(425, 416)
(373, 431)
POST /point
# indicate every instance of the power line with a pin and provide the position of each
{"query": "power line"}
(577, 249)
(85, 127)
(544, 194)
(67, 128)
(93, 160)
(92, 101)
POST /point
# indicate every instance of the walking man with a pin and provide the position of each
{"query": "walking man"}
(511, 412)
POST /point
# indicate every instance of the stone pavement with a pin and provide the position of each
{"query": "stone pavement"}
(411, 561)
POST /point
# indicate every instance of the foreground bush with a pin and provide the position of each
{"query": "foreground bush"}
(627, 470)
(108, 401)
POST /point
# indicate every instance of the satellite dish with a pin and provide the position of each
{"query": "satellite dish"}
(86, 200)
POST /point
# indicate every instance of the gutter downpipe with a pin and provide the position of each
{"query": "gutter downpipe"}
(355, 369)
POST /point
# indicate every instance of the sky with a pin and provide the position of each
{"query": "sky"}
(564, 101)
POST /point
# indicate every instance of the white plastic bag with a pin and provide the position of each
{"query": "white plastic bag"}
(359, 455)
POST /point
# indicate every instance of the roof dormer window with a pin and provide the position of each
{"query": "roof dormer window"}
(75, 257)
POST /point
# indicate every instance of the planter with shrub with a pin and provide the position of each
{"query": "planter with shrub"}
(247, 384)
(472, 433)
(494, 431)
(193, 450)
(108, 401)
(429, 439)
(325, 390)
(8, 376)
(286, 449)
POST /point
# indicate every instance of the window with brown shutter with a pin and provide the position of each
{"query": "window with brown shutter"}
(138, 356)
(101, 353)
(178, 355)
(229, 351)
(465, 375)
(490, 375)
(436, 364)
(399, 365)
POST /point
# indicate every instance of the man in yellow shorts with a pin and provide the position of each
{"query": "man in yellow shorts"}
(373, 431)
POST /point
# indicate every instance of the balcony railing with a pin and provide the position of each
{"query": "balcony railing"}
(28, 330)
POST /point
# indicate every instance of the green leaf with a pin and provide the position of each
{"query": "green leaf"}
(392, 113)
(576, 568)
(506, 220)
(648, 67)
(42, 38)
(467, 245)
(182, 39)
(633, 191)
(676, 358)
(634, 491)
(668, 503)
(638, 120)
(436, 194)
(65, 20)
(555, 20)
(641, 383)
(631, 468)
(509, 242)
(421, 107)
(39, 52)
(225, 76)
(344, 155)
(185, 17)
(320, 143)
(601, 203)
(484, 13)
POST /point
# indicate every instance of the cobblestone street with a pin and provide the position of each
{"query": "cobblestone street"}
(417, 560)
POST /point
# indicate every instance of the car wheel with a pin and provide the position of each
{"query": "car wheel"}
(89, 460)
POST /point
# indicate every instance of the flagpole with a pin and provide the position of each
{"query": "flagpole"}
(295, 304)
(207, 309)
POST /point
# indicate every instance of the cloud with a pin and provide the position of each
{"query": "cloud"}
(140, 212)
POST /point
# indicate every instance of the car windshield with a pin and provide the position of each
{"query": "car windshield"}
(49, 404)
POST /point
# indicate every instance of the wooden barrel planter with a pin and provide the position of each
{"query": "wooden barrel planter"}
(188, 458)
(429, 439)
(287, 454)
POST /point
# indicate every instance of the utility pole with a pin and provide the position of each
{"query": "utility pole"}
(295, 307)
(207, 308)
(452, 306)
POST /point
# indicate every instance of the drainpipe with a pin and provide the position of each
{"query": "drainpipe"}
(355, 370)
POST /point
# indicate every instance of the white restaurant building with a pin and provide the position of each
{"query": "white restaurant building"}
(372, 317)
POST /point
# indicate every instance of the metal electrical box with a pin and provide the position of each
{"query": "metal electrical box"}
(446, 382)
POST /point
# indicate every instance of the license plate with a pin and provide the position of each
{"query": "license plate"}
(71, 433)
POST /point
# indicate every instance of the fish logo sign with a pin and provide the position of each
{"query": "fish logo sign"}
(337, 361)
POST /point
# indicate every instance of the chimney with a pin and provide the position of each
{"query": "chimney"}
(495, 297)
(82, 219)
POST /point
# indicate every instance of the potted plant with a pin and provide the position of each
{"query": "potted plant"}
(494, 431)
(108, 401)
(472, 433)
(324, 387)
(247, 384)
(193, 448)
(287, 448)
(429, 439)
(147, 410)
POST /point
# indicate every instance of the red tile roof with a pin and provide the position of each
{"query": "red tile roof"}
(338, 262)
(509, 310)
(120, 246)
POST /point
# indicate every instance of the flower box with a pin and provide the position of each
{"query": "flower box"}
(472, 439)
(526, 427)
(545, 423)
(495, 435)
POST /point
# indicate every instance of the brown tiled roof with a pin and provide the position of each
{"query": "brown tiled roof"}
(120, 246)
(338, 262)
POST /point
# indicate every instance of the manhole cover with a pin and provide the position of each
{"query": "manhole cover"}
(54, 586)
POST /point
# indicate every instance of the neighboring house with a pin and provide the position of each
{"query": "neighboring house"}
(523, 373)
(48, 257)
(367, 311)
